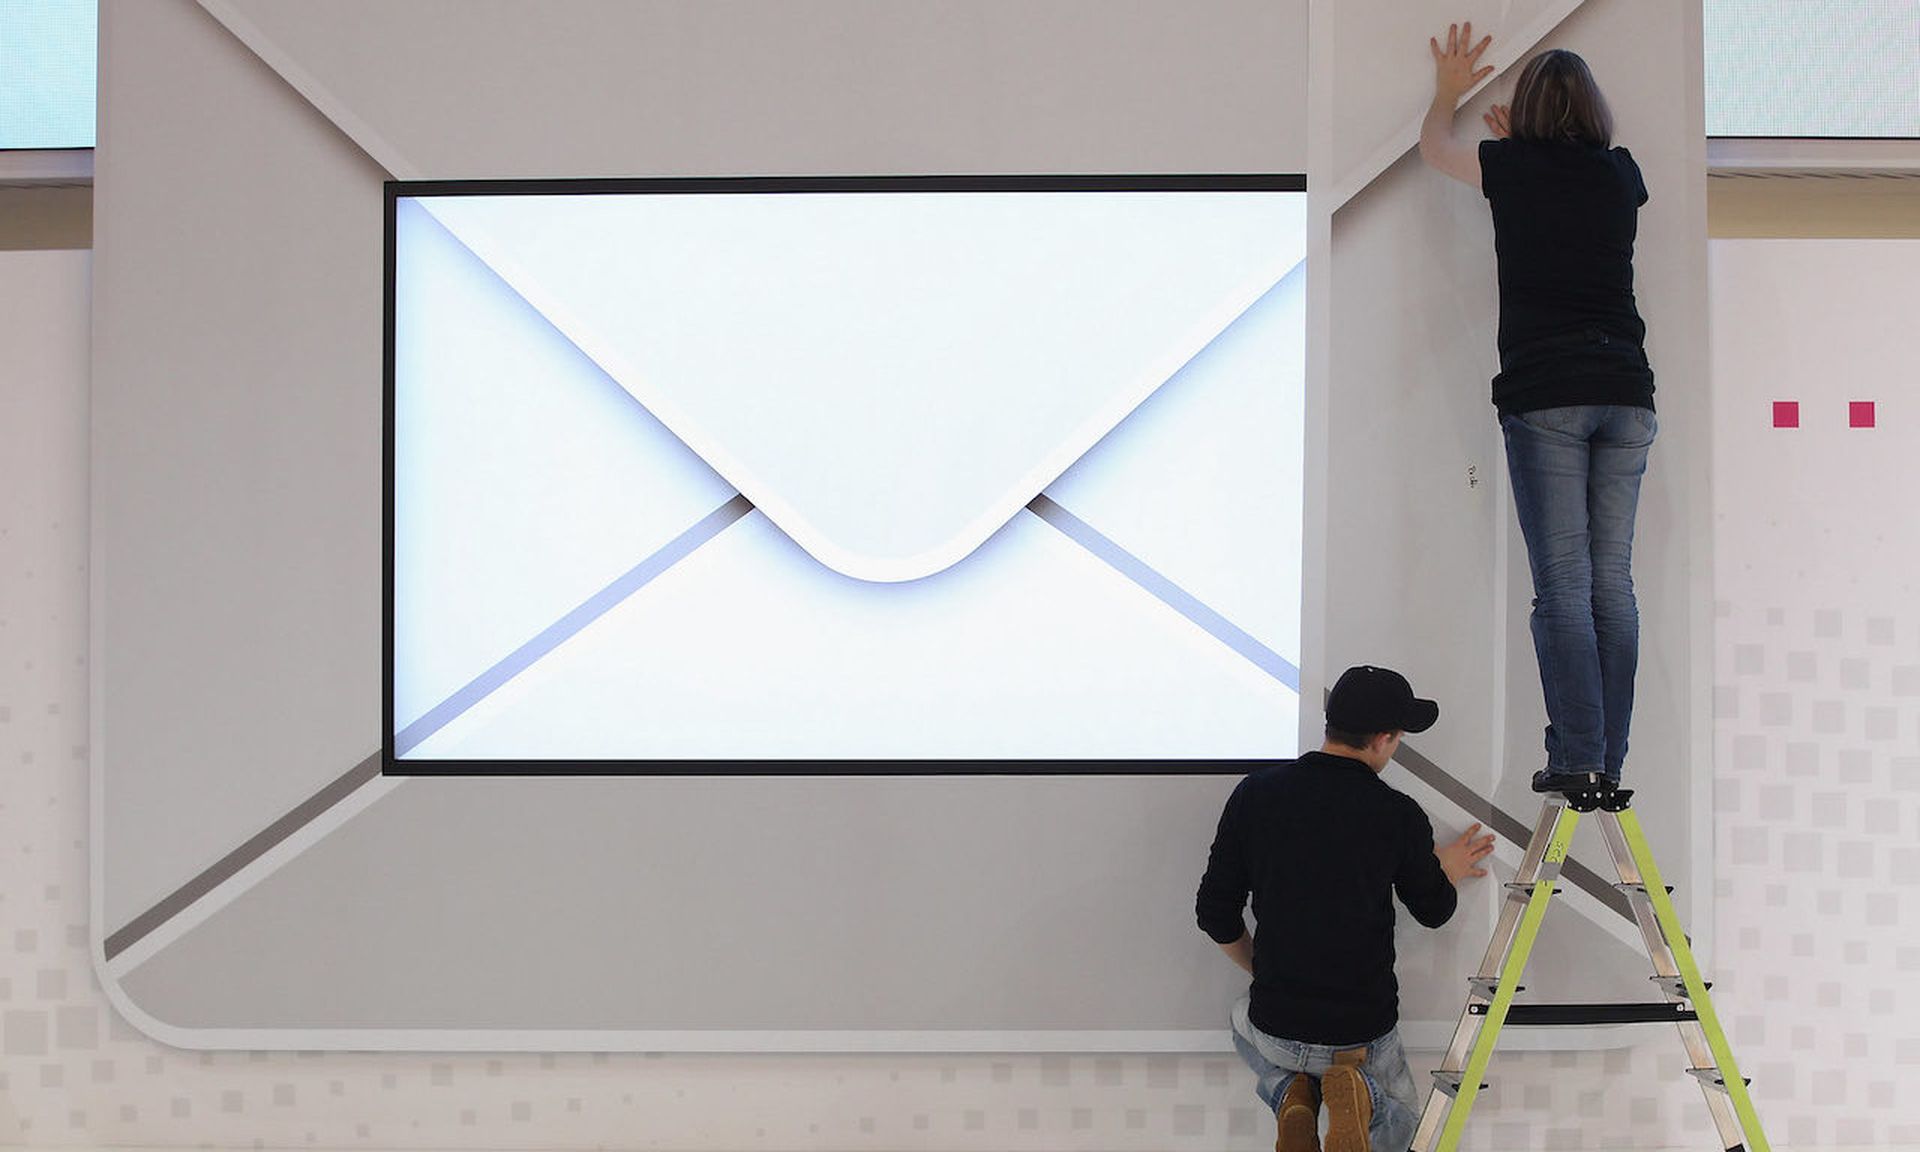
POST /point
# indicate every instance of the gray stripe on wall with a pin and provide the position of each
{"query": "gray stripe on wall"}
(563, 629)
(1506, 825)
(258, 845)
(1166, 591)
(368, 770)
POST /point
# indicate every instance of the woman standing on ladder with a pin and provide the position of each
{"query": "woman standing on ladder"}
(1575, 391)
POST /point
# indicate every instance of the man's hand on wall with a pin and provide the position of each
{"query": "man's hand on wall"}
(1461, 858)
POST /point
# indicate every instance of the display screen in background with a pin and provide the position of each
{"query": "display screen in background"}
(47, 55)
(1785, 68)
(971, 475)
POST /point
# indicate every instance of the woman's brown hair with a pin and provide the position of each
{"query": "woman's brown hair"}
(1556, 99)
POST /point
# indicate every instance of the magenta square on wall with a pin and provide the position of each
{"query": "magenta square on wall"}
(1786, 413)
(1860, 414)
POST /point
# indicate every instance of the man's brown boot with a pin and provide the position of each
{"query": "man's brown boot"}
(1349, 1105)
(1299, 1117)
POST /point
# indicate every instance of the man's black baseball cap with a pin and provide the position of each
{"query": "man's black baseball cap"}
(1366, 700)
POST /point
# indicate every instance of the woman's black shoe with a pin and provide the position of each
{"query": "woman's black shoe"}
(1585, 791)
(1546, 780)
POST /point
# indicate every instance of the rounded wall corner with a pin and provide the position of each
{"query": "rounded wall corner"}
(142, 1020)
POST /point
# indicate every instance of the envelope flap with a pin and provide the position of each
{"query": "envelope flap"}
(888, 376)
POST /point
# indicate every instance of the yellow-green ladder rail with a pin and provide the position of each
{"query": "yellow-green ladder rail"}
(1491, 989)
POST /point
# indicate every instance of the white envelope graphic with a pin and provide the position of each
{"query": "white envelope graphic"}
(821, 476)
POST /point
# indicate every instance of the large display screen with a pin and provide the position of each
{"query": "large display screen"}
(47, 53)
(1813, 69)
(817, 475)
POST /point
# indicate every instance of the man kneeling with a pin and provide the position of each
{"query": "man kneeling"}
(1322, 844)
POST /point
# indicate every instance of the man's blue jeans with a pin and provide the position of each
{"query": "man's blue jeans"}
(1275, 1062)
(1576, 485)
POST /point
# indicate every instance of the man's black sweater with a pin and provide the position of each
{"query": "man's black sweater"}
(1322, 844)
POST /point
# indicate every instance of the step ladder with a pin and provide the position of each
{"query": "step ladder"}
(1491, 990)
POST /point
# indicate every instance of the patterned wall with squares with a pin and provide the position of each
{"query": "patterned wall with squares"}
(1818, 815)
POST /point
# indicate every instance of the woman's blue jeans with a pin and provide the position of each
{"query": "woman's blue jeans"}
(1576, 485)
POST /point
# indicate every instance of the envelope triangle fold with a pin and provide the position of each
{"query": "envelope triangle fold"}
(1030, 649)
(1203, 482)
(890, 377)
(524, 480)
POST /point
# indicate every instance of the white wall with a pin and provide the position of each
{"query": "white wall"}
(1425, 568)
(235, 490)
(1817, 703)
(1817, 646)
(1815, 975)
(237, 501)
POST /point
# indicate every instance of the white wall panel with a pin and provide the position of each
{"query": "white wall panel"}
(1425, 568)
(1798, 625)
(237, 430)
(501, 88)
(1818, 681)
(236, 422)
(272, 230)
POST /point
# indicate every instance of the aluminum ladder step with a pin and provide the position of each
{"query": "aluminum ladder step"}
(1574, 1015)
(1491, 989)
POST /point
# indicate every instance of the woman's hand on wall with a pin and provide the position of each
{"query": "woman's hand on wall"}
(1454, 73)
(1453, 67)
(1497, 122)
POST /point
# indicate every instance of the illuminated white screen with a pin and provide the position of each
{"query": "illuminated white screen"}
(852, 475)
(47, 52)
(1813, 69)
